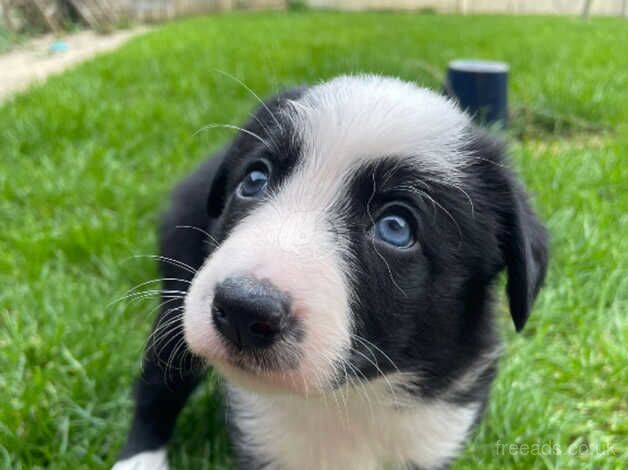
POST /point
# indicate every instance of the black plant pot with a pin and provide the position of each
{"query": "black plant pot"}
(481, 88)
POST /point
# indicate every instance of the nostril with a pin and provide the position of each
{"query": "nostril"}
(263, 329)
(218, 313)
(225, 326)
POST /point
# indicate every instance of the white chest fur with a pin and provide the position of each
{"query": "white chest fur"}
(365, 428)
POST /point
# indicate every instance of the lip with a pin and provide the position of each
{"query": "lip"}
(272, 382)
(276, 359)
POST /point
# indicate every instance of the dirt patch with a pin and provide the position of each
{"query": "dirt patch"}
(34, 62)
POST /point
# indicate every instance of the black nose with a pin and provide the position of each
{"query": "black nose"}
(249, 313)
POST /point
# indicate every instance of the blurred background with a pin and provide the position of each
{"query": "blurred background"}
(100, 104)
(115, 21)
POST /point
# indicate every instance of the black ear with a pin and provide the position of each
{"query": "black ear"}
(525, 252)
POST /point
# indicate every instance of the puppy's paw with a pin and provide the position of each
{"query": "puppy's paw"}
(151, 460)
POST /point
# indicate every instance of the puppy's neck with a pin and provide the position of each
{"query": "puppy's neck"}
(361, 426)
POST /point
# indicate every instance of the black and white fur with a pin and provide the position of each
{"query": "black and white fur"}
(391, 352)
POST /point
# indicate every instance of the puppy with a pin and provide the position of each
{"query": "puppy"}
(335, 264)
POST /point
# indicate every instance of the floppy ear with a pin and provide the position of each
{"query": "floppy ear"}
(525, 253)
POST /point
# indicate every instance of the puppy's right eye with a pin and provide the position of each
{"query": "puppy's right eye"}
(254, 183)
(395, 227)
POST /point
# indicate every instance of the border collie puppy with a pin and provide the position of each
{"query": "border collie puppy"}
(334, 263)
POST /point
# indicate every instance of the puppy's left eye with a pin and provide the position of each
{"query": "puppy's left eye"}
(254, 183)
(394, 229)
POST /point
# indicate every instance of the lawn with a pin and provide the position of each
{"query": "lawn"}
(86, 162)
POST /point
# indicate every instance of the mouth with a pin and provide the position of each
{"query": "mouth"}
(265, 375)
(283, 368)
(279, 358)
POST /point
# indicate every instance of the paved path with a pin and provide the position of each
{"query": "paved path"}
(32, 62)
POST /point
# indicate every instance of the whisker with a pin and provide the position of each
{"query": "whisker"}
(380, 256)
(177, 334)
(163, 326)
(173, 356)
(238, 128)
(366, 342)
(167, 326)
(266, 130)
(436, 203)
(153, 281)
(246, 87)
(163, 304)
(465, 193)
(204, 232)
(362, 388)
(379, 370)
(172, 261)
(141, 295)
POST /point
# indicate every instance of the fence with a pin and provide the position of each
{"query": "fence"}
(158, 10)
(557, 7)
(104, 14)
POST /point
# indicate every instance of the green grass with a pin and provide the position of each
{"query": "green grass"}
(5, 39)
(88, 158)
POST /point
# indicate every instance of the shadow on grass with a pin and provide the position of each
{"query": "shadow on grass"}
(200, 440)
(529, 122)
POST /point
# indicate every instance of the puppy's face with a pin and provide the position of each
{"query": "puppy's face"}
(358, 226)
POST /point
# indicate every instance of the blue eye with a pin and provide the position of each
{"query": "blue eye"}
(395, 230)
(254, 183)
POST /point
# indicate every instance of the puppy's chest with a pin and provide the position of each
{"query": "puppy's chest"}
(349, 432)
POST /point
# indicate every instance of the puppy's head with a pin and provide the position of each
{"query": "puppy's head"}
(359, 224)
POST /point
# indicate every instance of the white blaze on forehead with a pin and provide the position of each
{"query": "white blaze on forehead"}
(354, 119)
